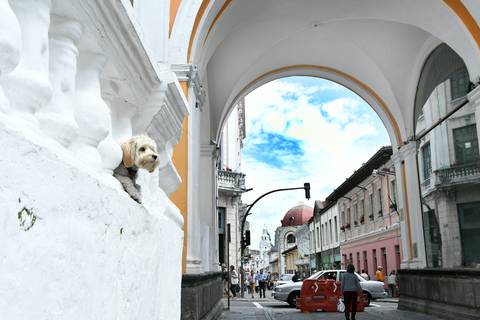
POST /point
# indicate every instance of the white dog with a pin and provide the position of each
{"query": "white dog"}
(138, 152)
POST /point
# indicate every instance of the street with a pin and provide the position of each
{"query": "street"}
(270, 309)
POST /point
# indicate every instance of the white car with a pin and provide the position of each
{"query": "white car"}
(284, 278)
(290, 292)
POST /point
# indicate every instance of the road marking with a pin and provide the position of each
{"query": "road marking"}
(258, 305)
(375, 305)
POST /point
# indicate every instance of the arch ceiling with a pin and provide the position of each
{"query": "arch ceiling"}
(379, 43)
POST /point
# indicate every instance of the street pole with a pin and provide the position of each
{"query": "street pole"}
(306, 187)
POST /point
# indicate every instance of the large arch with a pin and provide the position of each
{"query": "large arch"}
(363, 90)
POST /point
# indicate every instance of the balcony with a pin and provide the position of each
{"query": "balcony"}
(458, 175)
(230, 181)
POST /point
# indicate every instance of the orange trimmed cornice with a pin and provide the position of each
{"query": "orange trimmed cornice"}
(196, 23)
(465, 16)
(380, 102)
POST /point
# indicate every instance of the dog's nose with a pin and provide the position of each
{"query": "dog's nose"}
(154, 156)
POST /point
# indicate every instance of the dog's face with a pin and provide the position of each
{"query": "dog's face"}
(140, 151)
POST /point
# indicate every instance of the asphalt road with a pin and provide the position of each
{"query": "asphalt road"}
(269, 309)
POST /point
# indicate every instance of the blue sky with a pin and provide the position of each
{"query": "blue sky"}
(303, 129)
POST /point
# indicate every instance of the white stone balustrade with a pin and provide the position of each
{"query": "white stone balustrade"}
(10, 42)
(57, 117)
(28, 87)
(91, 112)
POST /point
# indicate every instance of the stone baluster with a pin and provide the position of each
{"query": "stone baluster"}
(91, 112)
(10, 43)
(110, 150)
(57, 117)
(28, 87)
(122, 114)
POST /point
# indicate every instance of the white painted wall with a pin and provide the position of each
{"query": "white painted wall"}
(93, 253)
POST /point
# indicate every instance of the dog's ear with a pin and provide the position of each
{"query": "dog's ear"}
(128, 148)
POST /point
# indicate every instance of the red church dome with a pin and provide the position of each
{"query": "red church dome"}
(297, 216)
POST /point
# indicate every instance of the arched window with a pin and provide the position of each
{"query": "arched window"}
(291, 238)
(446, 133)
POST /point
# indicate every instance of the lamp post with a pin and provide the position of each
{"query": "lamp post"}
(306, 187)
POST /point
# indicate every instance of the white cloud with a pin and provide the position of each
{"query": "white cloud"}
(337, 137)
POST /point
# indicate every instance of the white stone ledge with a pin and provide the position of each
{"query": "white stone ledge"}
(92, 253)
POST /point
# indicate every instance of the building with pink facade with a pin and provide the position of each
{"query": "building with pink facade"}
(369, 220)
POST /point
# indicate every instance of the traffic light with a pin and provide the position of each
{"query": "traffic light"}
(306, 186)
(246, 239)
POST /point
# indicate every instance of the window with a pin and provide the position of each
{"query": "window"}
(358, 261)
(318, 237)
(384, 259)
(397, 257)
(361, 208)
(365, 261)
(466, 144)
(374, 257)
(336, 229)
(349, 217)
(459, 82)
(380, 204)
(355, 213)
(372, 216)
(426, 161)
(221, 220)
(330, 227)
(469, 218)
(393, 191)
(291, 238)
(343, 217)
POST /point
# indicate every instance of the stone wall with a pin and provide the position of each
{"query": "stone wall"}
(202, 296)
(449, 294)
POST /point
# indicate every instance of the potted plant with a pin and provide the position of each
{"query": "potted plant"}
(371, 216)
(342, 228)
(362, 219)
(347, 226)
(355, 223)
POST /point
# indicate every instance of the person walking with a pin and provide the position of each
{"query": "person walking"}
(251, 283)
(262, 282)
(392, 283)
(379, 274)
(351, 289)
(365, 275)
(233, 281)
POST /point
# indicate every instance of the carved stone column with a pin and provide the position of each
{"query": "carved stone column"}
(91, 112)
(122, 113)
(10, 42)
(57, 118)
(110, 151)
(28, 87)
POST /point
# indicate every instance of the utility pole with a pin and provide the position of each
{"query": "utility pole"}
(306, 187)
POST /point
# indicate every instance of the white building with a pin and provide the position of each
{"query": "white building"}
(265, 247)
(231, 184)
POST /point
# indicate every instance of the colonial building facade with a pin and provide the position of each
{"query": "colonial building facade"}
(370, 231)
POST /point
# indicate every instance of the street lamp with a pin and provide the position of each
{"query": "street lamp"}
(306, 187)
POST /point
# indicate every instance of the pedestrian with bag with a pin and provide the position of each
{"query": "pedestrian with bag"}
(392, 283)
(350, 289)
(233, 281)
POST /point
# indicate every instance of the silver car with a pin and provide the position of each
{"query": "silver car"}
(290, 292)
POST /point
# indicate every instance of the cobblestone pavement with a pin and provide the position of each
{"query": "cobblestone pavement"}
(269, 309)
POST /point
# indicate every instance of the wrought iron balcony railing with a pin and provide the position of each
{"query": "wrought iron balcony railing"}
(231, 181)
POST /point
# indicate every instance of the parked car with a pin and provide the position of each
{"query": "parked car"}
(284, 278)
(290, 292)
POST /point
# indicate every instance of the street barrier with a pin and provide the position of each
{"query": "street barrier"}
(323, 295)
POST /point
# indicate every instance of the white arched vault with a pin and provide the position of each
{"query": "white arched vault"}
(381, 44)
